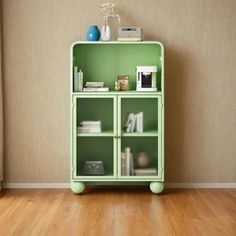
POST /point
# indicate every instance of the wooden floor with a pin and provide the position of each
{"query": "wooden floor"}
(118, 211)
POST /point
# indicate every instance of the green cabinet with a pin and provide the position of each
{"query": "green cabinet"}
(99, 154)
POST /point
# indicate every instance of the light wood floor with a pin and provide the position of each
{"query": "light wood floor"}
(118, 211)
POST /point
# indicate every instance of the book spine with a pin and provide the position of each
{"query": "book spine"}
(76, 79)
(141, 121)
(137, 122)
(128, 122)
(133, 123)
(123, 164)
(80, 80)
(127, 157)
(131, 164)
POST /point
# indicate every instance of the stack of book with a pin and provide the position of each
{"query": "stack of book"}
(133, 122)
(95, 87)
(90, 127)
(145, 171)
(127, 163)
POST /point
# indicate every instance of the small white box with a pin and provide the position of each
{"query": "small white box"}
(129, 34)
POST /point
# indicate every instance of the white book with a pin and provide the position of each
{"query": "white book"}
(128, 122)
(131, 164)
(127, 157)
(123, 164)
(89, 130)
(145, 171)
(140, 122)
(132, 129)
(137, 122)
(103, 89)
(88, 122)
(94, 84)
(76, 79)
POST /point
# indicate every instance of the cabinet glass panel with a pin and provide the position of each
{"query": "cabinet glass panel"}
(94, 115)
(95, 156)
(139, 156)
(139, 115)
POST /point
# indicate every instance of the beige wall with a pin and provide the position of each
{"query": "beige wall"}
(200, 41)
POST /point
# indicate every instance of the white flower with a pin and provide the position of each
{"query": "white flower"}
(108, 10)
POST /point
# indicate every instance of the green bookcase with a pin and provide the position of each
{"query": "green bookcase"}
(104, 61)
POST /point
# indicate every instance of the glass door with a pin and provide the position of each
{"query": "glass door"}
(139, 132)
(94, 136)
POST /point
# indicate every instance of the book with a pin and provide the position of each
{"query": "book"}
(132, 126)
(127, 157)
(97, 84)
(123, 164)
(131, 164)
(139, 122)
(133, 122)
(128, 122)
(90, 127)
(145, 171)
(88, 122)
(95, 89)
(127, 163)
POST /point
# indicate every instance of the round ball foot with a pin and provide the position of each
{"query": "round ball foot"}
(156, 187)
(77, 187)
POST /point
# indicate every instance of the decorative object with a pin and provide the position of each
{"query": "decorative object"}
(146, 78)
(123, 81)
(117, 86)
(93, 33)
(129, 34)
(108, 10)
(94, 168)
(143, 160)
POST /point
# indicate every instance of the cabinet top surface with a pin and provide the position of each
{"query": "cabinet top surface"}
(125, 93)
(118, 42)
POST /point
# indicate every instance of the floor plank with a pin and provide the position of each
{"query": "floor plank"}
(118, 211)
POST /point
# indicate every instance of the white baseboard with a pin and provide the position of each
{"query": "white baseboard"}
(200, 185)
(167, 185)
(36, 185)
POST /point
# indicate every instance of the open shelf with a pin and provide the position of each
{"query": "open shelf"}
(105, 61)
(95, 149)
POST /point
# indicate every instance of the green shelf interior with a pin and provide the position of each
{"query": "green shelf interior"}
(93, 109)
(104, 62)
(95, 149)
(142, 144)
(149, 107)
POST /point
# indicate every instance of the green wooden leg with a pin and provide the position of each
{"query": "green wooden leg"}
(77, 187)
(156, 187)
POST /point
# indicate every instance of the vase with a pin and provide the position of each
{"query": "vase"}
(93, 33)
(105, 33)
(143, 160)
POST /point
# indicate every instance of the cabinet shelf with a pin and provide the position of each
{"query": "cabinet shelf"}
(102, 134)
(143, 134)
